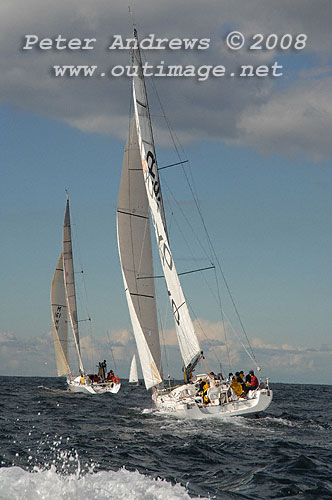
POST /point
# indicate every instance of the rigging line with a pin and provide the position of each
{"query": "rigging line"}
(138, 57)
(235, 307)
(190, 247)
(197, 270)
(179, 274)
(129, 152)
(84, 302)
(189, 342)
(226, 285)
(131, 13)
(175, 146)
(206, 365)
(173, 165)
(218, 262)
(145, 235)
(203, 332)
(188, 222)
(110, 348)
(222, 319)
(146, 226)
(216, 258)
(172, 134)
(220, 268)
(129, 213)
(164, 343)
(202, 220)
(242, 344)
(218, 299)
(129, 189)
(158, 292)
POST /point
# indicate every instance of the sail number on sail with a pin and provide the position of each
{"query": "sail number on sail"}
(57, 317)
(153, 185)
(150, 175)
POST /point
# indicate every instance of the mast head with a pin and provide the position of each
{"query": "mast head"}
(131, 12)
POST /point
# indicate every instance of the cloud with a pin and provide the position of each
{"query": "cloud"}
(35, 356)
(120, 337)
(290, 115)
(289, 119)
(281, 363)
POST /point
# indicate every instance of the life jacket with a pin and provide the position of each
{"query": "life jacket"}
(237, 387)
(205, 387)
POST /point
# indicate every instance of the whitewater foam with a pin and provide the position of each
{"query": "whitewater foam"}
(39, 484)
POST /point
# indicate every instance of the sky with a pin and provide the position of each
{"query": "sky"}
(259, 149)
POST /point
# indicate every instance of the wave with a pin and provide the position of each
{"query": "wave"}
(18, 483)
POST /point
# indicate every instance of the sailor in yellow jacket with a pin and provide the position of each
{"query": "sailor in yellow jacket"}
(236, 386)
(204, 387)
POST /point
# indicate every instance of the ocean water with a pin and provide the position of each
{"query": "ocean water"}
(59, 445)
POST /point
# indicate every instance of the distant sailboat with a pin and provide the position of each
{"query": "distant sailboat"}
(140, 194)
(63, 305)
(133, 375)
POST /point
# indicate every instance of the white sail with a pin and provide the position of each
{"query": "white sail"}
(134, 241)
(59, 320)
(133, 375)
(187, 339)
(69, 279)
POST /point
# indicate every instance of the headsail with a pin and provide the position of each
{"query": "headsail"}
(134, 241)
(133, 375)
(59, 320)
(69, 280)
(187, 339)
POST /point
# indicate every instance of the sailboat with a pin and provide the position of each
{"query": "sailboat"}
(133, 375)
(63, 305)
(140, 195)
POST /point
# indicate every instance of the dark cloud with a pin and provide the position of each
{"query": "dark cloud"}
(290, 115)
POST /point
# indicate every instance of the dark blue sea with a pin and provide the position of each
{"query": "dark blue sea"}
(59, 445)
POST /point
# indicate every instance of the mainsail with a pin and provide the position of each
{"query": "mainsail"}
(133, 375)
(69, 280)
(59, 320)
(187, 339)
(134, 241)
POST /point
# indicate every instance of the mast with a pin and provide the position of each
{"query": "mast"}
(69, 280)
(187, 339)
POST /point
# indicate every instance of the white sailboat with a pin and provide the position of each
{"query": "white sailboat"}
(63, 305)
(133, 374)
(140, 194)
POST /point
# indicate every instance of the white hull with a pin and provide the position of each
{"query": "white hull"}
(75, 385)
(183, 403)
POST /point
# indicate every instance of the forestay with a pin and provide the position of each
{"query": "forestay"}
(188, 342)
(69, 280)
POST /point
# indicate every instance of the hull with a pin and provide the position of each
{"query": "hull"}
(182, 402)
(75, 385)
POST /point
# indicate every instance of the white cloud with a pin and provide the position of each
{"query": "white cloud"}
(281, 363)
(290, 119)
